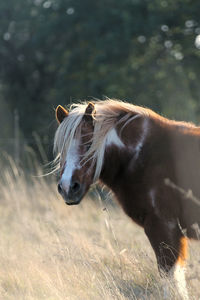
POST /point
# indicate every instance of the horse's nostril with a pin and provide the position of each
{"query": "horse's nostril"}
(75, 186)
(59, 188)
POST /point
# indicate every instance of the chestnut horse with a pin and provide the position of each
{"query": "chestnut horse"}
(135, 152)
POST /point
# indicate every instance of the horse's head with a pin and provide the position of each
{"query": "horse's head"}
(76, 163)
(94, 142)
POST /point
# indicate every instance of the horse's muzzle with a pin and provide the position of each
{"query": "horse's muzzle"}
(75, 193)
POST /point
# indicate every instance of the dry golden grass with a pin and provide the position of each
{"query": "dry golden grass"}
(52, 251)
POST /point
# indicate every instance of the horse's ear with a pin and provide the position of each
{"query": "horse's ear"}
(61, 113)
(89, 112)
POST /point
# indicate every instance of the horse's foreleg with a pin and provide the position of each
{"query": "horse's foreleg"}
(170, 247)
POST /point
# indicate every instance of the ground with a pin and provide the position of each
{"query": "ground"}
(92, 251)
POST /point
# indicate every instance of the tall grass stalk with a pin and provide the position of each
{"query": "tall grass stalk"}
(52, 251)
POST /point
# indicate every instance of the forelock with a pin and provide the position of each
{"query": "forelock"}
(106, 118)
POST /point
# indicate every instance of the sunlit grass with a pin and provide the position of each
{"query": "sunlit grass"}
(52, 251)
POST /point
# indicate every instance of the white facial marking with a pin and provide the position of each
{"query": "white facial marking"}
(71, 164)
(113, 139)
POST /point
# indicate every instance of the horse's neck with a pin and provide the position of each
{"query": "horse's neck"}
(154, 143)
(123, 147)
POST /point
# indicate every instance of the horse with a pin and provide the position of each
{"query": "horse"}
(136, 153)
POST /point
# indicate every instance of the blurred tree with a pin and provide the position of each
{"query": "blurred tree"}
(60, 51)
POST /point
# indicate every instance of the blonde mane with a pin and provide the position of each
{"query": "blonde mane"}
(106, 117)
(108, 114)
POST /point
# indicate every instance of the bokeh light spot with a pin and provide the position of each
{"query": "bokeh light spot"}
(70, 11)
(197, 41)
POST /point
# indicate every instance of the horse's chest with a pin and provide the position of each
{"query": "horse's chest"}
(136, 206)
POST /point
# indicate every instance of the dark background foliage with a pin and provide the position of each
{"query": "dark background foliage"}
(61, 51)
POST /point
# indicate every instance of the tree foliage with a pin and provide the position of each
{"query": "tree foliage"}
(60, 51)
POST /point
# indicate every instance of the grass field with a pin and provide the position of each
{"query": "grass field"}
(91, 251)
